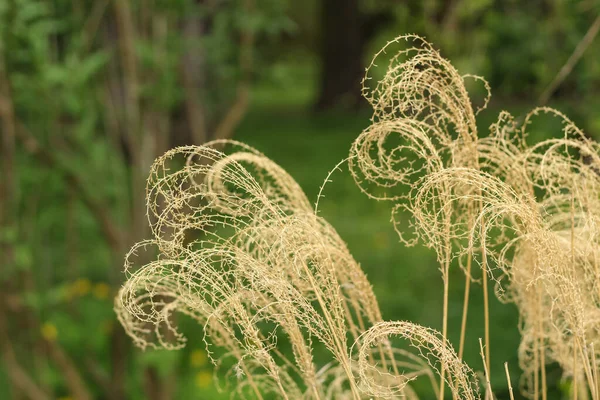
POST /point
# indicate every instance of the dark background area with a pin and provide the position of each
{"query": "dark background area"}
(91, 92)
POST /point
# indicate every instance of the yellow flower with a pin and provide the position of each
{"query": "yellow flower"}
(198, 358)
(101, 291)
(203, 379)
(81, 287)
(49, 331)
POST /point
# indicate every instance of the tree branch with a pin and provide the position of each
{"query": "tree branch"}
(69, 371)
(18, 376)
(570, 64)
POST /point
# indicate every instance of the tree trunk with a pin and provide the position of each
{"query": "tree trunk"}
(193, 67)
(342, 50)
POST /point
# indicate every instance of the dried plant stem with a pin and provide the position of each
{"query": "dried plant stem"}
(536, 362)
(542, 349)
(486, 316)
(444, 332)
(251, 381)
(543, 371)
(573, 228)
(575, 369)
(575, 374)
(510, 389)
(446, 277)
(354, 330)
(486, 301)
(488, 385)
(596, 269)
(588, 372)
(463, 324)
(595, 373)
(281, 389)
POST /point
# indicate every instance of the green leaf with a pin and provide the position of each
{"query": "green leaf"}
(91, 65)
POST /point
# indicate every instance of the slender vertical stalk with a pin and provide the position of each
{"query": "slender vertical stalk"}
(484, 267)
(595, 392)
(589, 375)
(543, 370)
(536, 364)
(251, 381)
(444, 328)
(542, 349)
(510, 389)
(463, 324)
(486, 304)
(575, 372)
(575, 380)
(488, 385)
(446, 278)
